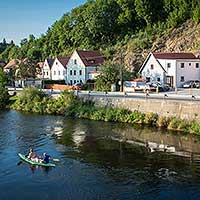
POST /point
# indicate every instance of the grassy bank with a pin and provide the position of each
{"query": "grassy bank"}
(35, 101)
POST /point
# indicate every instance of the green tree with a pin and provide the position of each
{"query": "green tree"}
(111, 74)
(4, 97)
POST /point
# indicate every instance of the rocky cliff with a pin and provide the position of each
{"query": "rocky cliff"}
(185, 38)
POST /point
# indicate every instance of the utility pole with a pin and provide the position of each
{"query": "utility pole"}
(120, 71)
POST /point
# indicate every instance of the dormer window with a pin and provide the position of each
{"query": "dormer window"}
(92, 61)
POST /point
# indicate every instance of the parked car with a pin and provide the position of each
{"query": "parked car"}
(161, 87)
(191, 84)
(131, 86)
(197, 84)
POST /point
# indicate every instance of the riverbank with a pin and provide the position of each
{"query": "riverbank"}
(35, 101)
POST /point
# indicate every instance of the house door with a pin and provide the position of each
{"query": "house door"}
(170, 81)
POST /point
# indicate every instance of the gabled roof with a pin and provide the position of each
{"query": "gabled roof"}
(63, 60)
(50, 62)
(168, 56)
(91, 58)
(174, 56)
(12, 64)
(143, 65)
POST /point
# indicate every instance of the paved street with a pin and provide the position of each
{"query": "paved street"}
(180, 95)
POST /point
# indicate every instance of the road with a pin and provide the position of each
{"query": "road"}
(182, 95)
(191, 95)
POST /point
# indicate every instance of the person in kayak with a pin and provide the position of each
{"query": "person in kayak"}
(31, 155)
(46, 158)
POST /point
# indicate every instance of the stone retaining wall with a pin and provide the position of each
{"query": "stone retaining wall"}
(184, 110)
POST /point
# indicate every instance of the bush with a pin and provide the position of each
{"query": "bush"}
(150, 118)
(136, 117)
(4, 97)
(195, 128)
(163, 121)
(174, 124)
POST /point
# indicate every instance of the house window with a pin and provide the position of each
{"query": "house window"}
(70, 82)
(81, 81)
(189, 64)
(59, 73)
(151, 66)
(44, 73)
(63, 72)
(70, 72)
(182, 79)
(168, 65)
(56, 63)
(182, 65)
(80, 72)
(74, 72)
(197, 65)
(75, 61)
(47, 73)
(158, 79)
(74, 81)
(54, 72)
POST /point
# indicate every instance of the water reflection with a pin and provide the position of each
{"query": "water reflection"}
(97, 160)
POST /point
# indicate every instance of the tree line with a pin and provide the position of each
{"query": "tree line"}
(101, 24)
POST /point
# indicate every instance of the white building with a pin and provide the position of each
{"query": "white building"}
(171, 68)
(46, 70)
(59, 68)
(81, 65)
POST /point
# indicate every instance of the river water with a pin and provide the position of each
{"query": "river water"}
(98, 160)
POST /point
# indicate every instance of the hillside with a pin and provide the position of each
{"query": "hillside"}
(121, 29)
(185, 38)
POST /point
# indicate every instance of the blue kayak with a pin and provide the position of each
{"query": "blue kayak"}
(23, 157)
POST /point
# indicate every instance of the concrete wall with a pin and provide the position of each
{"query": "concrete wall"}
(184, 110)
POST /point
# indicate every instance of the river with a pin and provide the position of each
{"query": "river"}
(98, 160)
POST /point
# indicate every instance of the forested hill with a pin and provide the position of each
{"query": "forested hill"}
(132, 26)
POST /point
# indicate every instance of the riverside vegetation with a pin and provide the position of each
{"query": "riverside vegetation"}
(35, 101)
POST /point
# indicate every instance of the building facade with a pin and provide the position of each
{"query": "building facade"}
(81, 65)
(171, 68)
(59, 68)
(46, 70)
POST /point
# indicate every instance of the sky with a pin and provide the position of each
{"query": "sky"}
(20, 18)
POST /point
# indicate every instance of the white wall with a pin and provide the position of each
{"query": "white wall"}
(189, 72)
(58, 71)
(156, 73)
(75, 64)
(46, 71)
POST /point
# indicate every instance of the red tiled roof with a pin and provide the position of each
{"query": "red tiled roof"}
(63, 60)
(174, 56)
(12, 64)
(91, 58)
